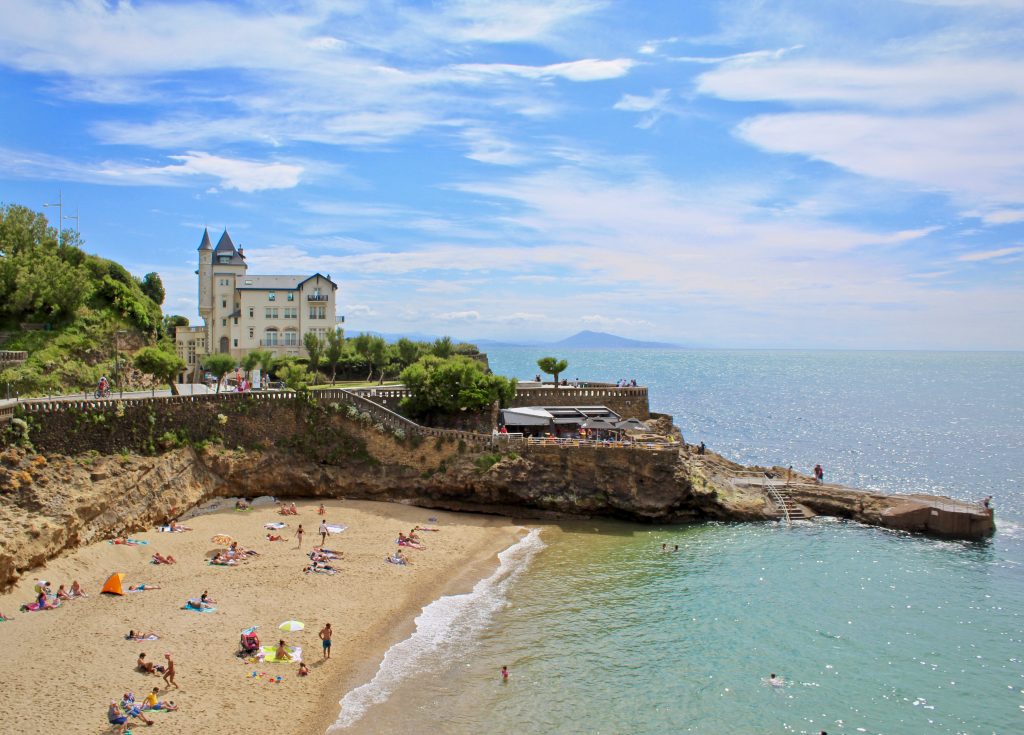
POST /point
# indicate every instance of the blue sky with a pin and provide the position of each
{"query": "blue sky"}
(815, 173)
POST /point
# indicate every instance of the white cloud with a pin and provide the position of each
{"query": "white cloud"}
(978, 157)
(486, 147)
(999, 216)
(583, 70)
(458, 316)
(907, 85)
(247, 176)
(240, 174)
(601, 320)
(359, 310)
(990, 254)
(637, 103)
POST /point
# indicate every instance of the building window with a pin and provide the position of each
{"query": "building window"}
(236, 343)
(270, 338)
(223, 303)
(235, 321)
(317, 312)
(291, 312)
(251, 332)
(223, 322)
(271, 296)
(291, 338)
(291, 296)
(270, 313)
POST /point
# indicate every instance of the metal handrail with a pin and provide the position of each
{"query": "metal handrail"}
(777, 499)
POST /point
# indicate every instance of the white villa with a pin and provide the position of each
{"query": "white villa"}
(243, 312)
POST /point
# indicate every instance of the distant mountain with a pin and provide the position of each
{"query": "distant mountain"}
(604, 341)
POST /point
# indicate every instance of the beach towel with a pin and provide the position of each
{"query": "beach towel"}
(149, 637)
(128, 542)
(268, 654)
(276, 526)
(199, 609)
(335, 528)
(34, 606)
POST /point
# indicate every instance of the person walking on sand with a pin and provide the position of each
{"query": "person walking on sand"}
(323, 531)
(169, 674)
(504, 674)
(321, 510)
(298, 535)
(325, 636)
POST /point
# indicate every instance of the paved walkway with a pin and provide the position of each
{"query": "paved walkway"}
(188, 389)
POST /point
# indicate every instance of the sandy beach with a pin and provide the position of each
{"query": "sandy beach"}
(62, 667)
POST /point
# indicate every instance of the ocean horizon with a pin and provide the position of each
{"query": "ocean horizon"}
(869, 630)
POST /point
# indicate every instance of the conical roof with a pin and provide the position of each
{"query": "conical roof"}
(224, 245)
(206, 244)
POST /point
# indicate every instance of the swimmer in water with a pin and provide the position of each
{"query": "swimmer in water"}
(775, 681)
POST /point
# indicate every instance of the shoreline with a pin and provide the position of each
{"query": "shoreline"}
(371, 604)
(363, 671)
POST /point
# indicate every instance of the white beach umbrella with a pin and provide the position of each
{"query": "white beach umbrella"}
(291, 626)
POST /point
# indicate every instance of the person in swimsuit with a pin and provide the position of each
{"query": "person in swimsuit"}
(61, 594)
(325, 636)
(504, 673)
(323, 531)
(169, 674)
(76, 590)
(146, 666)
(303, 671)
(321, 510)
(281, 654)
(298, 535)
(139, 635)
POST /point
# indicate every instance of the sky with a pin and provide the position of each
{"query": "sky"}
(735, 173)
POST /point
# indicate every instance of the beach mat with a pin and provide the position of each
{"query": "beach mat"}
(275, 526)
(199, 610)
(269, 654)
(336, 527)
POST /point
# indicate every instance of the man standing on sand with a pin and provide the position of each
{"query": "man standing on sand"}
(325, 636)
(323, 531)
(169, 674)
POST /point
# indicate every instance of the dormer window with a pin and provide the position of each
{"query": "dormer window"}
(271, 296)
(223, 258)
(291, 296)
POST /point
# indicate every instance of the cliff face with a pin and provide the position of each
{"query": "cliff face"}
(51, 504)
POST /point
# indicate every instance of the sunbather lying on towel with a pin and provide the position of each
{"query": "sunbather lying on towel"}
(142, 587)
(138, 635)
(274, 537)
(159, 558)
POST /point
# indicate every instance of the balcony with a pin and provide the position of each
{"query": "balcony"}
(317, 297)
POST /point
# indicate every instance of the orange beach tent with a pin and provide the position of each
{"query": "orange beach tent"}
(114, 585)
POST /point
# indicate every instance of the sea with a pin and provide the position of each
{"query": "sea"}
(866, 630)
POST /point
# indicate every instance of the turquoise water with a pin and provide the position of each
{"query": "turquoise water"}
(871, 631)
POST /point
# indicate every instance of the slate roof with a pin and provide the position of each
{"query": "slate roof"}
(226, 247)
(206, 244)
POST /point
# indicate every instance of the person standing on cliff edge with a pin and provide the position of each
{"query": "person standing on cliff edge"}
(819, 474)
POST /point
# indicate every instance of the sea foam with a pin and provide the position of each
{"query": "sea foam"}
(451, 623)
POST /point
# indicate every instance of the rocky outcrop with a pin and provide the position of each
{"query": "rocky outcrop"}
(52, 504)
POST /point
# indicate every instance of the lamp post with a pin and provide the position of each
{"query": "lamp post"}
(75, 217)
(60, 214)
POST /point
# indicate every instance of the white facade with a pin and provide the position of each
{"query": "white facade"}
(243, 312)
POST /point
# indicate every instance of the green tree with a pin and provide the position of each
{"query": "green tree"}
(552, 366)
(315, 347)
(334, 348)
(153, 287)
(373, 349)
(295, 376)
(408, 351)
(443, 347)
(220, 365)
(163, 365)
(444, 387)
(170, 322)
